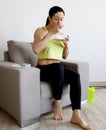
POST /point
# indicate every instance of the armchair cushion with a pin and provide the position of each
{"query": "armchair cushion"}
(46, 91)
(21, 52)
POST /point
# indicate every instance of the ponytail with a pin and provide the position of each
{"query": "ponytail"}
(47, 21)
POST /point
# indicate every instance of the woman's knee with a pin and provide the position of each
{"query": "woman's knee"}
(77, 75)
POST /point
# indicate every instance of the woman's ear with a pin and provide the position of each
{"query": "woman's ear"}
(49, 18)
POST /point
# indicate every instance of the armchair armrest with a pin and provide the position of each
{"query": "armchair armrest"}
(82, 68)
(20, 92)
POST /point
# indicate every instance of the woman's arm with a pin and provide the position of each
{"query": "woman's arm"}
(66, 48)
(65, 52)
(41, 39)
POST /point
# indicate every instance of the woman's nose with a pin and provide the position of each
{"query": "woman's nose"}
(59, 22)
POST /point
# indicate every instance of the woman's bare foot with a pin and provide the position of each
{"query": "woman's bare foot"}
(57, 110)
(76, 119)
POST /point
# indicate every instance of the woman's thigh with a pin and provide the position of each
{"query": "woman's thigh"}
(70, 75)
(51, 72)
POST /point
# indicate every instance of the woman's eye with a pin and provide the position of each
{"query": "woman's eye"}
(56, 19)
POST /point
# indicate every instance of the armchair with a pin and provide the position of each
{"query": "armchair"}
(22, 94)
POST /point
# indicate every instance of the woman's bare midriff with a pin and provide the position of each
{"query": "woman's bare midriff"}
(47, 61)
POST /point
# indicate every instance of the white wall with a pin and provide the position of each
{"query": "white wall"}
(85, 22)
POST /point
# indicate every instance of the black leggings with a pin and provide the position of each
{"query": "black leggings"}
(57, 74)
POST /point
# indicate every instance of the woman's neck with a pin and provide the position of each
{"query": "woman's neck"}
(49, 27)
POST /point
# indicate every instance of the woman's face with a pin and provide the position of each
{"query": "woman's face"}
(57, 19)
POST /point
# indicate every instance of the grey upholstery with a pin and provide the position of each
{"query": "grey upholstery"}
(22, 94)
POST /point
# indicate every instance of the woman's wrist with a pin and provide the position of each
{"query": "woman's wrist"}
(66, 46)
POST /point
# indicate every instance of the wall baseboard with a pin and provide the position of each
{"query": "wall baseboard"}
(98, 83)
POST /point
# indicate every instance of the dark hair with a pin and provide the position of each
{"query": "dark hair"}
(54, 10)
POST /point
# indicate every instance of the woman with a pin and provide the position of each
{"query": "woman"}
(51, 46)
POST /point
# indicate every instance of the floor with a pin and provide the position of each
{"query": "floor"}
(94, 114)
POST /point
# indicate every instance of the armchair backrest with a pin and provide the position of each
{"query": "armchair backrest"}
(6, 56)
(20, 52)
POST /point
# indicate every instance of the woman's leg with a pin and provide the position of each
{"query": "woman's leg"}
(73, 78)
(57, 88)
(54, 73)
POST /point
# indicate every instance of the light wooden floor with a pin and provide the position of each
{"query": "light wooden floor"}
(94, 114)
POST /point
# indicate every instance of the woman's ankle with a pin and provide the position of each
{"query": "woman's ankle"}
(57, 102)
(77, 119)
(58, 110)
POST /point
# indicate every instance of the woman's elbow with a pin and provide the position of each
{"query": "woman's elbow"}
(65, 56)
(35, 51)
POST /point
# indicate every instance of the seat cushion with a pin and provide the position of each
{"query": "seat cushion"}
(21, 52)
(46, 91)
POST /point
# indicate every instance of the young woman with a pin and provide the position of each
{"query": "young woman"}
(51, 46)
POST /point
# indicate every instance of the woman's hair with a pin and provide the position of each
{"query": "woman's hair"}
(52, 11)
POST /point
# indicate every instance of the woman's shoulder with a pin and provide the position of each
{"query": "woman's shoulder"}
(39, 32)
(39, 29)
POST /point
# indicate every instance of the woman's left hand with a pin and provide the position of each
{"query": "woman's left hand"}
(66, 40)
